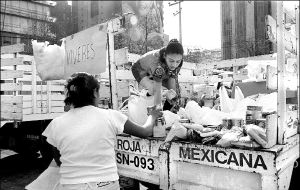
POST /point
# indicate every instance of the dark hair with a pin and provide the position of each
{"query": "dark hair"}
(174, 47)
(80, 89)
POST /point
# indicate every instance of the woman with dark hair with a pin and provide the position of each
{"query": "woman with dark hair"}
(84, 137)
(161, 65)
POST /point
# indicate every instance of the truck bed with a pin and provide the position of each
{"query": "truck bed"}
(24, 97)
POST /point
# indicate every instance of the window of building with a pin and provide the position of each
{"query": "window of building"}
(94, 8)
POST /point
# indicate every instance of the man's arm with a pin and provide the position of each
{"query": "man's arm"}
(145, 130)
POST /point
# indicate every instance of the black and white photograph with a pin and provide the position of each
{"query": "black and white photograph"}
(149, 95)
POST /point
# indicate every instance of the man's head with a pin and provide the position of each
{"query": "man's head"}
(173, 54)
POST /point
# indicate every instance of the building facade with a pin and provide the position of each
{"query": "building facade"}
(63, 26)
(22, 21)
(89, 13)
(145, 35)
(243, 28)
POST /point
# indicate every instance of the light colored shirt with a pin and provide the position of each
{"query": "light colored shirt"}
(85, 138)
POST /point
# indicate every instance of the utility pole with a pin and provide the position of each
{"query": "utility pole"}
(178, 13)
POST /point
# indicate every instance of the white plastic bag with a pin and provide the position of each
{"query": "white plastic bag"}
(170, 118)
(204, 115)
(182, 113)
(258, 134)
(229, 104)
(49, 59)
(240, 110)
(137, 108)
(268, 102)
(230, 136)
(177, 131)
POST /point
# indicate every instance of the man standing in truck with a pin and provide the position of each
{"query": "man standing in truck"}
(163, 66)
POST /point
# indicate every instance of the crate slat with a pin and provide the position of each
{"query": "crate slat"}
(54, 97)
(27, 111)
(27, 68)
(11, 99)
(11, 116)
(44, 88)
(12, 61)
(11, 108)
(122, 89)
(27, 104)
(29, 78)
(16, 48)
(43, 104)
(10, 86)
(11, 74)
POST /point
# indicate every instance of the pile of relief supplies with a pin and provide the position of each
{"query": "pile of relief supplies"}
(240, 123)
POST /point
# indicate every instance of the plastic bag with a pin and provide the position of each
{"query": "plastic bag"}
(258, 134)
(193, 126)
(204, 115)
(241, 108)
(49, 59)
(137, 108)
(230, 136)
(182, 113)
(229, 104)
(268, 102)
(170, 118)
(177, 131)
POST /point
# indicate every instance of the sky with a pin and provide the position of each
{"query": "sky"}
(201, 23)
(201, 26)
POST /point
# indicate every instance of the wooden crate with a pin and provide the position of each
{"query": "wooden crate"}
(24, 96)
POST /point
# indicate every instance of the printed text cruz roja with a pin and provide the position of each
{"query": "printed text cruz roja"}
(80, 53)
(222, 157)
(126, 145)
